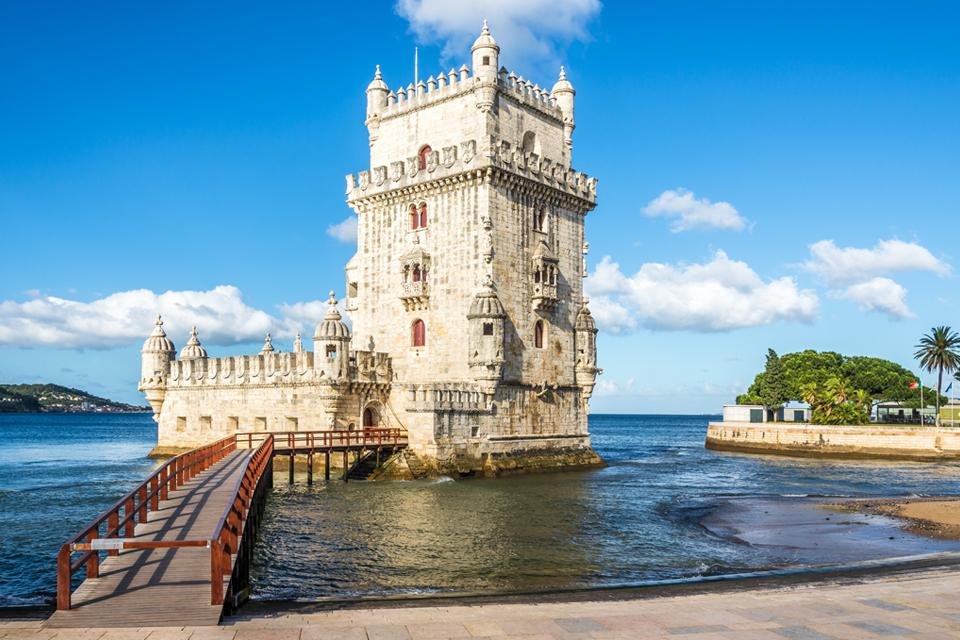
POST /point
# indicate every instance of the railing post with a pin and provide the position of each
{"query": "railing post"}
(63, 578)
(93, 562)
(155, 499)
(216, 572)
(142, 498)
(113, 529)
(128, 514)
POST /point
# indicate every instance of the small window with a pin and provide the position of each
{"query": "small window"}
(424, 154)
(206, 424)
(538, 334)
(529, 143)
(423, 215)
(419, 331)
(486, 61)
(331, 352)
(260, 423)
(414, 217)
(233, 424)
(181, 424)
(488, 328)
(536, 276)
(293, 424)
(416, 273)
(352, 290)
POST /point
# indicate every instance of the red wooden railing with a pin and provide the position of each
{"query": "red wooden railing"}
(293, 441)
(134, 508)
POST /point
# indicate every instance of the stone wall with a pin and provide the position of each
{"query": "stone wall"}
(867, 441)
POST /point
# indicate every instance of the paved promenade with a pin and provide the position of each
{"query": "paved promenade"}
(918, 605)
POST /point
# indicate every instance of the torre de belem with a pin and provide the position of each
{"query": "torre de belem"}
(468, 324)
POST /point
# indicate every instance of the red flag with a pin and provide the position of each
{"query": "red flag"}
(914, 384)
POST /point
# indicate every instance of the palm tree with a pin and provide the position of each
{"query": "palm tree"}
(937, 350)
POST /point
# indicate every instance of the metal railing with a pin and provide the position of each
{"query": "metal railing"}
(113, 530)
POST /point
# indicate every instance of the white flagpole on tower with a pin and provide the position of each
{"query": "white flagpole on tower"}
(416, 66)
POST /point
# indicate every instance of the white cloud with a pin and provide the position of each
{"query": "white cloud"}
(127, 317)
(879, 294)
(345, 231)
(689, 212)
(719, 295)
(845, 265)
(527, 30)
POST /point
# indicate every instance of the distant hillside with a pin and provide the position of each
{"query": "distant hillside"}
(54, 398)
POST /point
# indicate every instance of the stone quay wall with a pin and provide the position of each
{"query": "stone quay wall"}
(840, 441)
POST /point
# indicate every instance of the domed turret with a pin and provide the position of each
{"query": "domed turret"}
(267, 345)
(564, 93)
(331, 343)
(486, 318)
(158, 342)
(377, 92)
(193, 349)
(486, 63)
(158, 350)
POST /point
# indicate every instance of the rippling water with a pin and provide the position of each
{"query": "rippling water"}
(634, 521)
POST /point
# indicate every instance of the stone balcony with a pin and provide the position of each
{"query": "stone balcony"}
(415, 295)
(544, 296)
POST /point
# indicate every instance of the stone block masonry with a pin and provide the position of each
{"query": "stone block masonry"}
(840, 441)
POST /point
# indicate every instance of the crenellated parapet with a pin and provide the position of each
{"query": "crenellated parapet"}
(456, 163)
(461, 397)
(263, 368)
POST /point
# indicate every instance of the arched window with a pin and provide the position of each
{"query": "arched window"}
(529, 144)
(424, 154)
(416, 273)
(419, 333)
(538, 334)
(423, 215)
(414, 217)
(370, 418)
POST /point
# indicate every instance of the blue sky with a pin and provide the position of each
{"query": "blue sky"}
(770, 175)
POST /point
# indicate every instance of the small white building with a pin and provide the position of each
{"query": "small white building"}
(791, 412)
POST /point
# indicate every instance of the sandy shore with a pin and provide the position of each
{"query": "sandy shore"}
(933, 517)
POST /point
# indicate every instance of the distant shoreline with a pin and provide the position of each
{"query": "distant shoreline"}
(31, 413)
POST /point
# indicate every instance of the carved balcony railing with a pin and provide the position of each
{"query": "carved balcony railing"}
(544, 295)
(415, 295)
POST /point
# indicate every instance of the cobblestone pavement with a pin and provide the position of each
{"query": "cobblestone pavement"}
(917, 605)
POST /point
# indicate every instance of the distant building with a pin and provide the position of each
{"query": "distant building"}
(470, 327)
(757, 413)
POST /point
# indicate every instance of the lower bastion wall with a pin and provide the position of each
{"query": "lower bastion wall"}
(842, 441)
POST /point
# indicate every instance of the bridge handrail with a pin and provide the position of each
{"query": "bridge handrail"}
(326, 439)
(135, 506)
(231, 535)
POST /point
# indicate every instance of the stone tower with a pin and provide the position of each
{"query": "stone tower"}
(469, 266)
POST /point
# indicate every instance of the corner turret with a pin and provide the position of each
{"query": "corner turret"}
(486, 318)
(563, 92)
(377, 92)
(585, 338)
(486, 62)
(331, 344)
(155, 357)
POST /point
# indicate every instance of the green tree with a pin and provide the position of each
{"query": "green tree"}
(835, 401)
(773, 390)
(937, 351)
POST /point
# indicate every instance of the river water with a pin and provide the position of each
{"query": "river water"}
(638, 520)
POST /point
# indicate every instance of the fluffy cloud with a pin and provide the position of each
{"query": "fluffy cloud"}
(719, 295)
(879, 294)
(127, 317)
(530, 30)
(690, 212)
(845, 265)
(345, 231)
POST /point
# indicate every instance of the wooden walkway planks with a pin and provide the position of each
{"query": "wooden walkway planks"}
(161, 587)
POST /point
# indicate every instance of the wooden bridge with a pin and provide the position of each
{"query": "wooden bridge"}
(177, 549)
